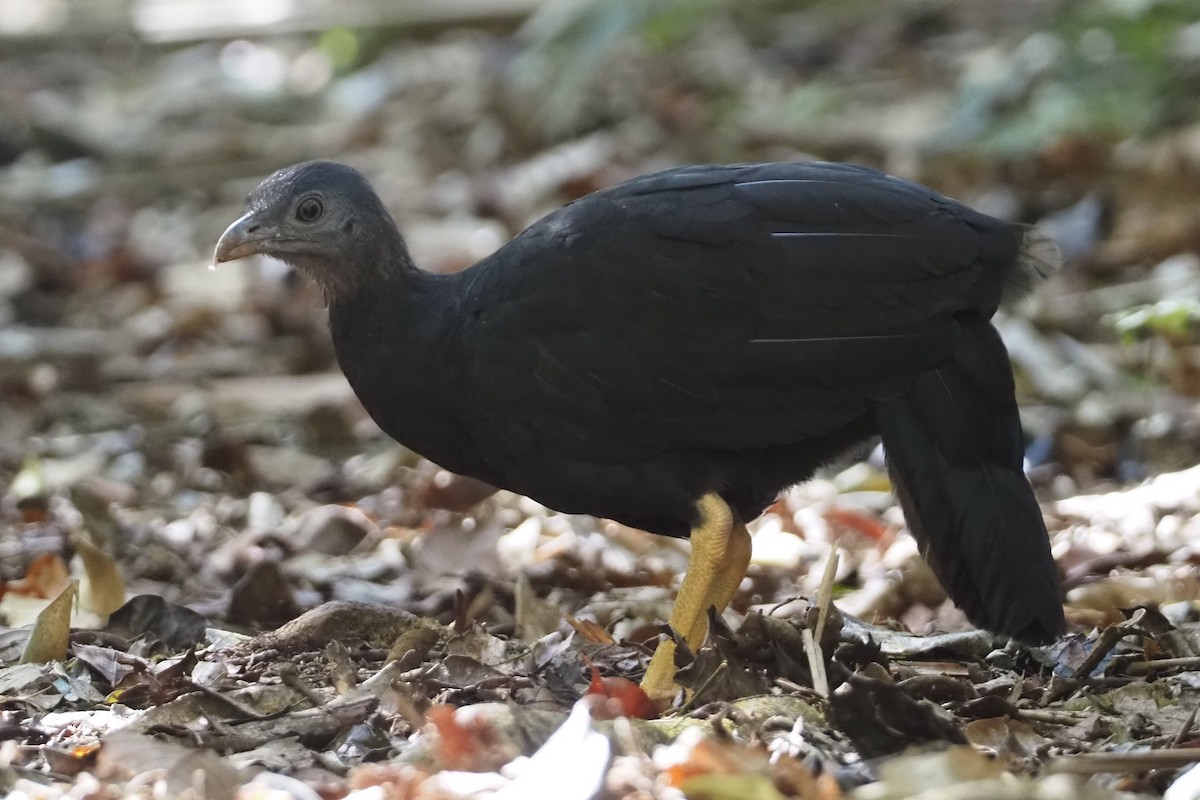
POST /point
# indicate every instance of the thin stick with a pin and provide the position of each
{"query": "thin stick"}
(825, 593)
(816, 662)
(812, 636)
(1141, 761)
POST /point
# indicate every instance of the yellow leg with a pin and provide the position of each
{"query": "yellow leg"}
(720, 555)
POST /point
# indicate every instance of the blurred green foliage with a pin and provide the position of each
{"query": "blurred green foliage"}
(342, 47)
(1112, 68)
(1174, 321)
(566, 43)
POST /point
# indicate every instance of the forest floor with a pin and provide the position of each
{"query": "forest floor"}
(218, 578)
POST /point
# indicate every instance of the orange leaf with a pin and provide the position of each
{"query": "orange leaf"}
(590, 631)
(47, 577)
(867, 525)
(470, 746)
(618, 697)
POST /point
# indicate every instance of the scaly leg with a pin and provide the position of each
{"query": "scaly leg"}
(720, 555)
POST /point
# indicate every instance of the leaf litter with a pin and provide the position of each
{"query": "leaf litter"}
(273, 599)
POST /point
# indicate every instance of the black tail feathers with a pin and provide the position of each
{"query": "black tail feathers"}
(955, 452)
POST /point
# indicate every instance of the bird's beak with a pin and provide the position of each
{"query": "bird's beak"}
(245, 237)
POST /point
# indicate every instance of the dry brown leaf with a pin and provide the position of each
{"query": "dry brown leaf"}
(590, 631)
(102, 589)
(52, 631)
(1004, 735)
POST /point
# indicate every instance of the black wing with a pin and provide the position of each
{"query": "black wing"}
(722, 308)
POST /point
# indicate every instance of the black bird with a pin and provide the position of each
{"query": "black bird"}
(673, 351)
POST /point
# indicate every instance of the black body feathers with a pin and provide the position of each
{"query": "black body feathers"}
(727, 329)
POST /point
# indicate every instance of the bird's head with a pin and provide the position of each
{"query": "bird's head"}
(322, 218)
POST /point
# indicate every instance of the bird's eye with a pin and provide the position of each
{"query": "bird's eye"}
(309, 210)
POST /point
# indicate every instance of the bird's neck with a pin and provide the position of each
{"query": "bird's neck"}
(397, 340)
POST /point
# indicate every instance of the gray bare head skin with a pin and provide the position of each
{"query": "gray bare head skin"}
(322, 218)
